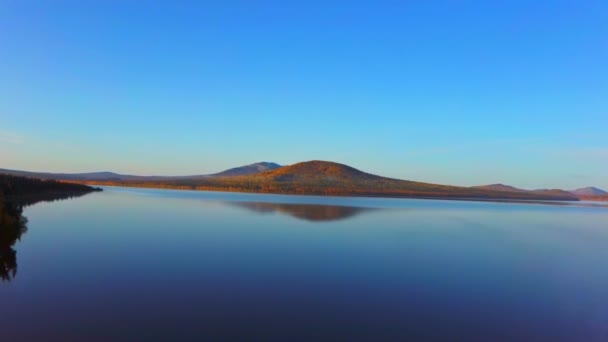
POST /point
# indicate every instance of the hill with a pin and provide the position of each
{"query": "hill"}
(317, 170)
(499, 187)
(589, 191)
(107, 176)
(247, 169)
(329, 178)
(556, 192)
(67, 176)
(508, 188)
(601, 198)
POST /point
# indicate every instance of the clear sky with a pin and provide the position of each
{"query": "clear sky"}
(456, 92)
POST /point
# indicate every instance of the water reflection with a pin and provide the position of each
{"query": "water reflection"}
(308, 212)
(554, 203)
(12, 226)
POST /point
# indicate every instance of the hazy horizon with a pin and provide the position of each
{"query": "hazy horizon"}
(460, 94)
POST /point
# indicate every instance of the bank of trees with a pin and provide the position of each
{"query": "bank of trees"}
(320, 184)
(15, 193)
(23, 190)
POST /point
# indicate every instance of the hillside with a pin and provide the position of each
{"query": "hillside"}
(318, 171)
(247, 169)
(589, 191)
(600, 198)
(551, 192)
(329, 178)
(106, 176)
(499, 187)
(85, 176)
(508, 188)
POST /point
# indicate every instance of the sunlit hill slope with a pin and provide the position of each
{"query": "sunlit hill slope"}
(329, 178)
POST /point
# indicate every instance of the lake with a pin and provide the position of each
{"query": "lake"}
(145, 264)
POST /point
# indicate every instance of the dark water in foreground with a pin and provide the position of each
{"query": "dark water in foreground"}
(134, 264)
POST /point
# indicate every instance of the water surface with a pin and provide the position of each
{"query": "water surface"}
(142, 264)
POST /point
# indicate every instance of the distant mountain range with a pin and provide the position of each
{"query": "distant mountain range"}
(111, 176)
(314, 177)
(324, 178)
(499, 187)
(66, 176)
(508, 188)
(589, 191)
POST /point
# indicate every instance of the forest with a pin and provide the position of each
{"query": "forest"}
(23, 191)
(12, 226)
(327, 178)
(15, 193)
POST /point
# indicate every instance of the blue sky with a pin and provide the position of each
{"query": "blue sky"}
(457, 92)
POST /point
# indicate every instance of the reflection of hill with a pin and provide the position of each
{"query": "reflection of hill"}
(308, 212)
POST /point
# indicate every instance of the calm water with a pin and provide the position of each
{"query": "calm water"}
(135, 264)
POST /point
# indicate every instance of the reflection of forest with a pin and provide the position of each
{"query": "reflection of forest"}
(309, 212)
(15, 193)
(12, 226)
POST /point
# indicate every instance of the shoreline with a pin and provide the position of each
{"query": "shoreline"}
(430, 198)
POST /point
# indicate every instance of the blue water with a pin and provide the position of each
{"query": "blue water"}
(142, 264)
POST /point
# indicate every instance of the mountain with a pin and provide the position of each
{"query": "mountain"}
(111, 176)
(601, 198)
(557, 192)
(508, 188)
(589, 191)
(67, 176)
(318, 170)
(499, 187)
(328, 178)
(247, 169)
(318, 178)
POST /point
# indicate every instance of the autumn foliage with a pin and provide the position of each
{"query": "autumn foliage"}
(328, 178)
